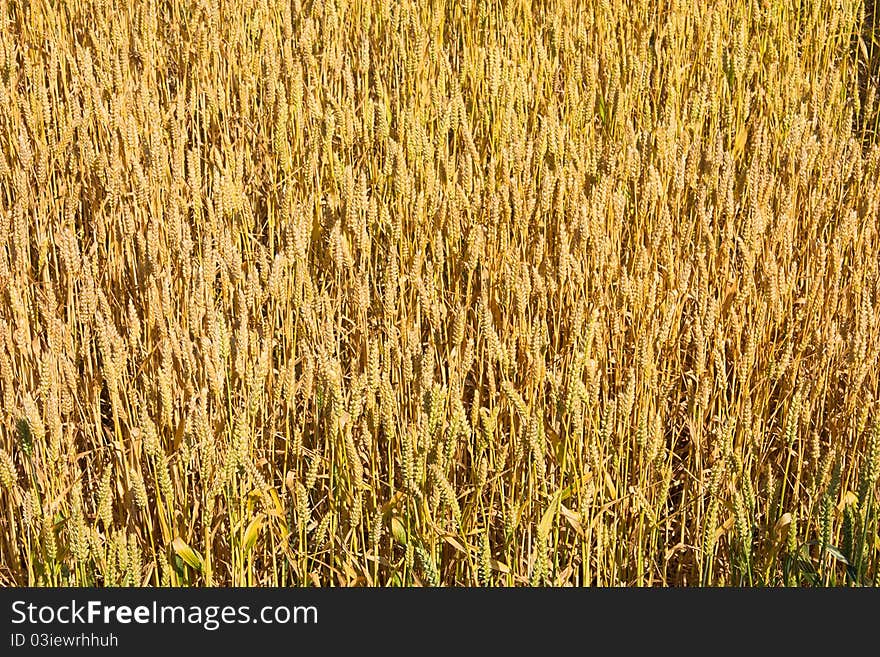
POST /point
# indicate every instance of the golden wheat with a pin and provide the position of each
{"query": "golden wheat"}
(476, 293)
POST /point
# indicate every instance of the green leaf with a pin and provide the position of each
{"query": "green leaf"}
(251, 534)
(185, 552)
(398, 531)
(837, 554)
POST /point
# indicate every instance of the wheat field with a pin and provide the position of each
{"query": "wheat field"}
(419, 293)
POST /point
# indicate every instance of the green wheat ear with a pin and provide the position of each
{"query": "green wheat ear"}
(432, 575)
(484, 567)
(25, 436)
(870, 468)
